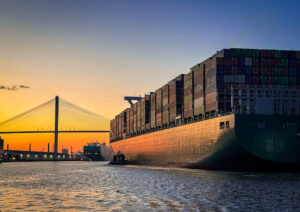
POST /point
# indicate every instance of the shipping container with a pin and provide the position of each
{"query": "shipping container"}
(211, 79)
(117, 126)
(111, 130)
(211, 102)
(199, 71)
(188, 95)
(145, 112)
(165, 104)
(131, 120)
(135, 117)
(153, 111)
(176, 98)
(158, 108)
(138, 116)
(143, 122)
(127, 121)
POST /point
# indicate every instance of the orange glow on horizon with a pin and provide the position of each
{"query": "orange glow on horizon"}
(39, 142)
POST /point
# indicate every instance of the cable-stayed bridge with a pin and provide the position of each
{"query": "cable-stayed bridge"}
(55, 117)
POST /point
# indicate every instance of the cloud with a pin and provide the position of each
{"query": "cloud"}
(24, 86)
(13, 88)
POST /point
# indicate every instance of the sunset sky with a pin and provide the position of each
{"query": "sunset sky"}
(93, 53)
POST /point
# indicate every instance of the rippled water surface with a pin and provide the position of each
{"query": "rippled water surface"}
(57, 186)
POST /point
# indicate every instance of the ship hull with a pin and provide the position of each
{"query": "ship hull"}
(230, 141)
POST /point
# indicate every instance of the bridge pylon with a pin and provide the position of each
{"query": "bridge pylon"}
(56, 125)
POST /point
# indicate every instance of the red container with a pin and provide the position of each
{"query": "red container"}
(138, 116)
(255, 71)
(285, 71)
(227, 61)
(271, 80)
(220, 61)
(298, 63)
(255, 80)
(158, 110)
(234, 61)
(188, 95)
(131, 120)
(277, 62)
(127, 121)
(211, 102)
(255, 62)
(264, 71)
(233, 70)
(199, 88)
(165, 103)
(117, 126)
(134, 117)
(153, 110)
(263, 62)
(143, 114)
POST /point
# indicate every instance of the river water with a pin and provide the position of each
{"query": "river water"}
(96, 186)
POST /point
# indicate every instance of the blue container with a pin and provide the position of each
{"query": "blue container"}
(226, 52)
(241, 70)
(284, 54)
(241, 61)
(226, 70)
(248, 70)
(298, 72)
(292, 54)
(248, 79)
(292, 62)
(220, 82)
(293, 72)
(298, 80)
(219, 70)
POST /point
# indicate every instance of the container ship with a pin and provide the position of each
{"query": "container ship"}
(96, 151)
(237, 109)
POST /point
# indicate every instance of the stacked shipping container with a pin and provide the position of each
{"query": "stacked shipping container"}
(199, 71)
(165, 104)
(138, 116)
(188, 95)
(176, 97)
(207, 88)
(158, 106)
(145, 113)
(153, 111)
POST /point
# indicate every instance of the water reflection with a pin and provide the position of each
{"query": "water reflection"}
(97, 186)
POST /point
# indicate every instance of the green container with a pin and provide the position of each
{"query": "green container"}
(277, 71)
(285, 80)
(277, 80)
(241, 52)
(284, 63)
(233, 52)
(255, 53)
(248, 53)
(292, 81)
(277, 54)
(263, 79)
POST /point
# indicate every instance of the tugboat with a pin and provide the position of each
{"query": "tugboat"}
(119, 159)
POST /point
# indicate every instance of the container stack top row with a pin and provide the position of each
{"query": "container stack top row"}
(198, 92)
